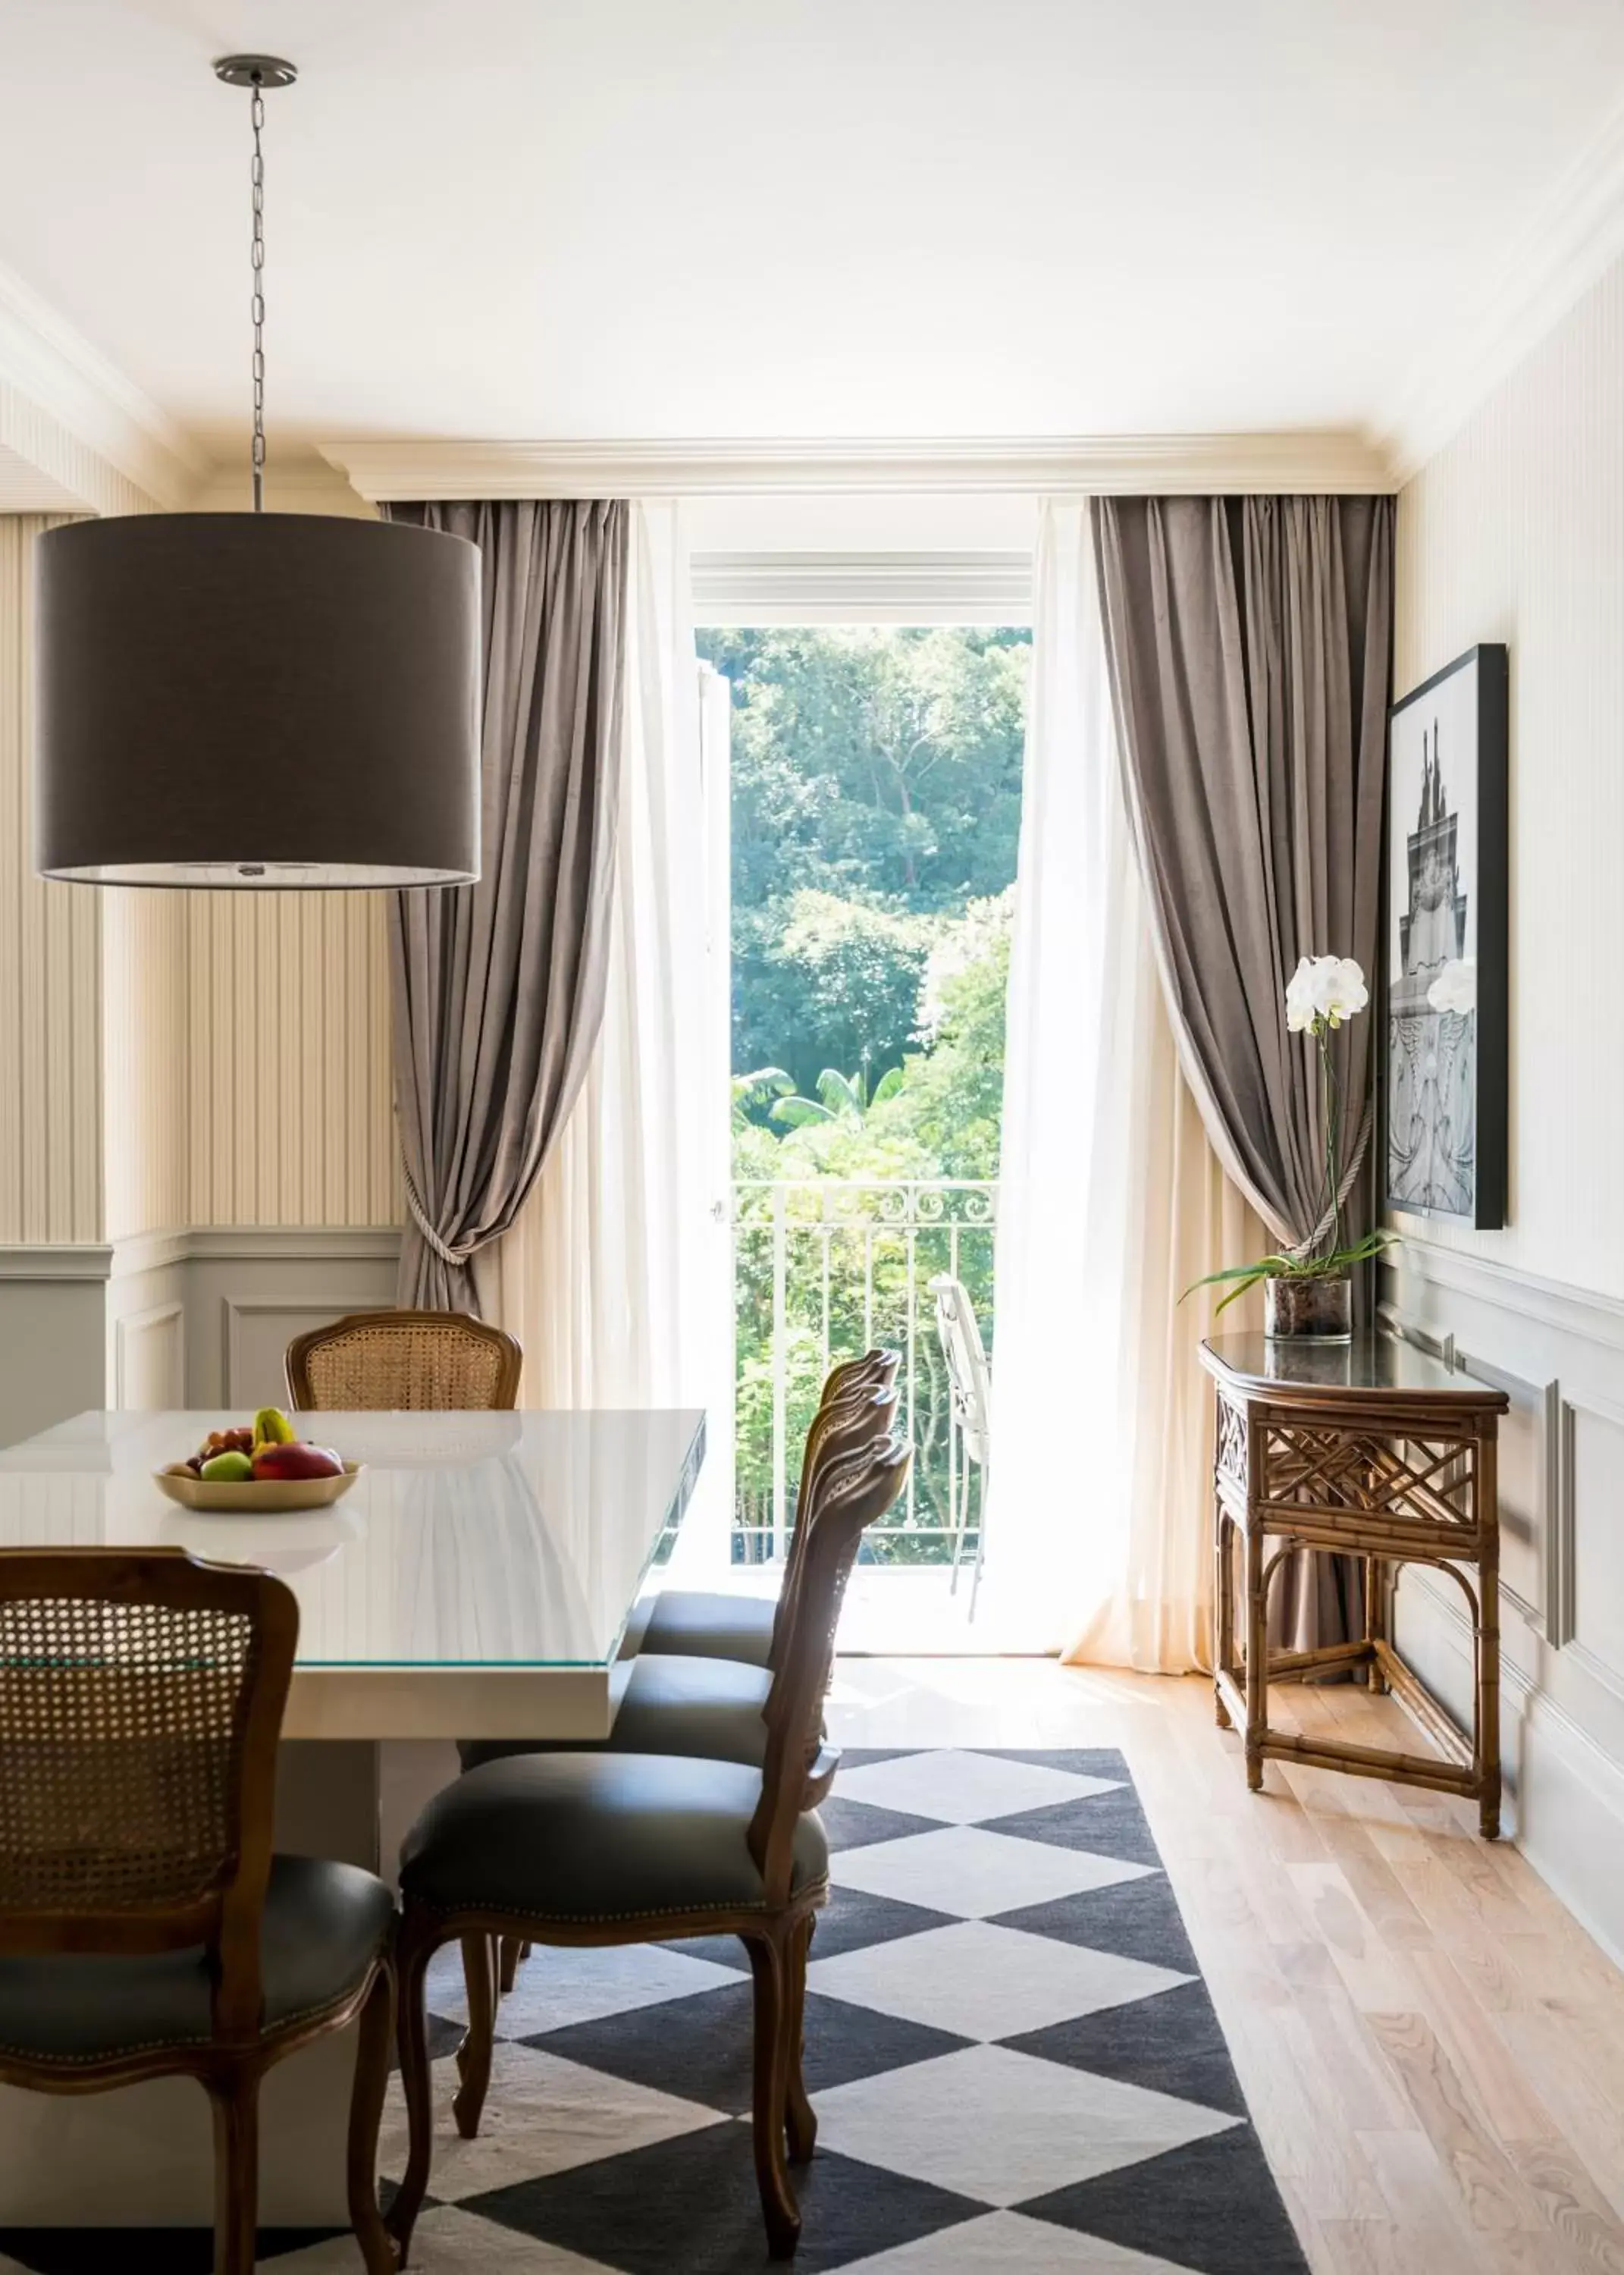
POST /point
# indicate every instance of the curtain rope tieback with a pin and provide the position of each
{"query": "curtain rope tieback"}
(455, 1257)
(1346, 1187)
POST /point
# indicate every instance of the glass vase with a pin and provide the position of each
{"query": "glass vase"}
(1304, 1307)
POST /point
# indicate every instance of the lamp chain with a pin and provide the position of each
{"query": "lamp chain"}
(256, 113)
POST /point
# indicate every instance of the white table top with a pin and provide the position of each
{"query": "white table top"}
(477, 1580)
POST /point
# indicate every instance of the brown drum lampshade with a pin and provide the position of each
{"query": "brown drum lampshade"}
(257, 700)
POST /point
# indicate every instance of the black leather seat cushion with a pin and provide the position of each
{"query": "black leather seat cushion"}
(606, 1836)
(324, 1924)
(708, 1707)
(699, 1626)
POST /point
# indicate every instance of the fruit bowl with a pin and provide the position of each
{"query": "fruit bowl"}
(253, 1496)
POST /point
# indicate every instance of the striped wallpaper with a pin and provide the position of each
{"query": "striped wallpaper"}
(1515, 532)
(51, 975)
(288, 1039)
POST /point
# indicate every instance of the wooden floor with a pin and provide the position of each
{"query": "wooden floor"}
(1432, 2048)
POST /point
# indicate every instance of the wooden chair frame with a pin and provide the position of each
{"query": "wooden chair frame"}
(777, 1935)
(860, 1412)
(511, 1354)
(225, 1920)
(855, 1407)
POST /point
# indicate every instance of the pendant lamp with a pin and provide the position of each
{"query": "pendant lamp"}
(257, 700)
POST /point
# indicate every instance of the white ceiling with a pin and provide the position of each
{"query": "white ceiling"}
(743, 218)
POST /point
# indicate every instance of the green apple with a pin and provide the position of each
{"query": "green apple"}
(228, 1469)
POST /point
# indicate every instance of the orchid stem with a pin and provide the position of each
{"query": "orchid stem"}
(1329, 1106)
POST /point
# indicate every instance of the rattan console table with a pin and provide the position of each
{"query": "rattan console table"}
(1369, 1449)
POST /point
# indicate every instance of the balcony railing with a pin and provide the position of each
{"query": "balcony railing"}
(823, 1268)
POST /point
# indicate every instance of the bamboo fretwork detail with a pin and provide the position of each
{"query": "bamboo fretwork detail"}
(1425, 1481)
(1394, 1462)
(1232, 1442)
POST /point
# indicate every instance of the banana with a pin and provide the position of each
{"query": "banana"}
(271, 1427)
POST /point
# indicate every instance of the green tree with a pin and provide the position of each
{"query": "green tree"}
(876, 783)
(876, 812)
(820, 980)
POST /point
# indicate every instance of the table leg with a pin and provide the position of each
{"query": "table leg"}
(1257, 1655)
(1488, 1701)
(1223, 1605)
(1375, 1616)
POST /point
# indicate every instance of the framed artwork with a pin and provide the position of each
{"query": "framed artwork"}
(1445, 976)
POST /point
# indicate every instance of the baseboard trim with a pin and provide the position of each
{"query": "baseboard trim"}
(1565, 1793)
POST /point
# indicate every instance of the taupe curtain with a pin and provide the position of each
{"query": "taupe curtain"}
(1249, 642)
(499, 986)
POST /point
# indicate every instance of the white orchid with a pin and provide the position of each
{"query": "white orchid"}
(1455, 988)
(1323, 992)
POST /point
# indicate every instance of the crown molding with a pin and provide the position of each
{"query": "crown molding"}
(292, 484)
(842, 588)
(1575, 234)
(75, 415)
(1079, 465)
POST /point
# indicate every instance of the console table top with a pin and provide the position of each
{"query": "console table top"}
(1301, 1372)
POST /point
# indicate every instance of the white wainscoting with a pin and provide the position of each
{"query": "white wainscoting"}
(1558, 1355)
(53, 1333)
(149, 1356)
(198, 1319)
(249, 1293)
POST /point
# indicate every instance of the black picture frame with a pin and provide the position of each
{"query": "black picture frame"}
(1446, 942)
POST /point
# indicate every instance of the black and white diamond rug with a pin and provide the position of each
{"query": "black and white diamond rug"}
(1014, 2063)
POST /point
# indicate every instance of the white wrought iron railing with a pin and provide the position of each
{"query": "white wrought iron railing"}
(823, 1268)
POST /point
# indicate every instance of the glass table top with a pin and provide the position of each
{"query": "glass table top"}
(470, 1540)
(1369, 1362)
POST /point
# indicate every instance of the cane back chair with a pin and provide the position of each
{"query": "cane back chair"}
(391, 1362)
(146, 1928)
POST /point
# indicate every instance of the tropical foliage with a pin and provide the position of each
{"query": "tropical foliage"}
(876, 812)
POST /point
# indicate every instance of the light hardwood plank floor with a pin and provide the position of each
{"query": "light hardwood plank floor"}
(1432, 2047)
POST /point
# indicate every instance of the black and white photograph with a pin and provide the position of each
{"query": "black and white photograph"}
(1447, 913)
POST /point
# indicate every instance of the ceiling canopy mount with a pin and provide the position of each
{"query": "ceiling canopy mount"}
(255, 71)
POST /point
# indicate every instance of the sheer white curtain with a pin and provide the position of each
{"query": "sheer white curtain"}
(1110, 1202)
(612, 1278)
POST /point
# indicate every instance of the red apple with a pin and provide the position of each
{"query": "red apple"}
(297, 1459)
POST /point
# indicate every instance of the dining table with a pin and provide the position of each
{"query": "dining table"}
(486, 1575)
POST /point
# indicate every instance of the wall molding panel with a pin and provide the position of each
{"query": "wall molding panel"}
(1558, 1355)
(179, 1318)
(149, 1356)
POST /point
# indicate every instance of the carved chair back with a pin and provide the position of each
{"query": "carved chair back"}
(388, 1361)
(852, 1491)
(861, 1416)
(141, 1695)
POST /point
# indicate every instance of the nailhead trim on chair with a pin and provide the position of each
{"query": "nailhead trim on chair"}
(608, 1919)
(174, 2045)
